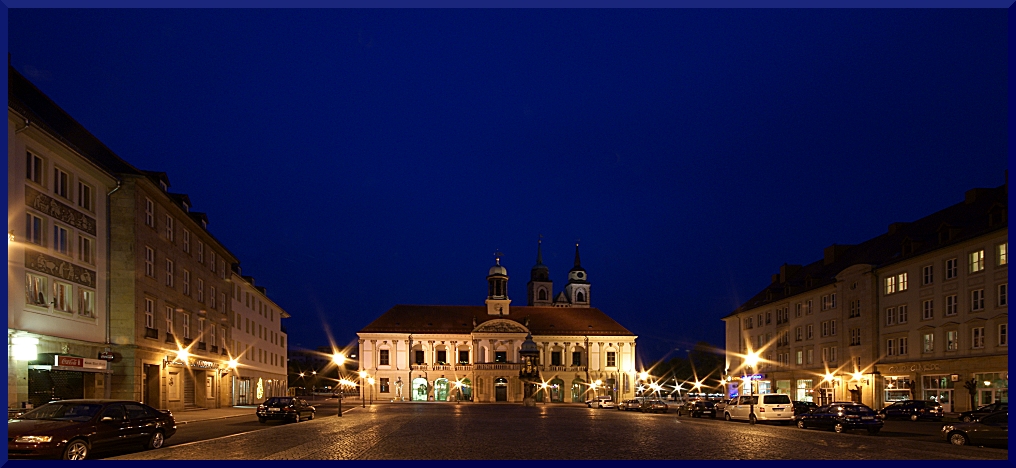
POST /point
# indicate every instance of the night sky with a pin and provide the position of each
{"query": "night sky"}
(358, 159)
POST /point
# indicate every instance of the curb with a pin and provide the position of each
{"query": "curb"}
(211, 419)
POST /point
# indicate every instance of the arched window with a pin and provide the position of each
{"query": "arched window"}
(580, 297)
(543, 294)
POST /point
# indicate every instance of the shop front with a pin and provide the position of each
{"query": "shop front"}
(958, 385)
(61, 377)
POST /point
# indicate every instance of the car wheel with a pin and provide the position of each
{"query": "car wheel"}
(262, 420)
(311, 416)
(957, 438)
(838, 427)
(801, 424)
(155, 441)
(77, 449)
(913, 417)
(726, 416)
(873, 430)
(967, 418)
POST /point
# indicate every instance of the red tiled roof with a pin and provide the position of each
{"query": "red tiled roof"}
(576, 321)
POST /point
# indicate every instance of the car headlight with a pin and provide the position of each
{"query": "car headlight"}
(33, 439)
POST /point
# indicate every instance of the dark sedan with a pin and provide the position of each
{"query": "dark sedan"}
(841, 417)
(913, 410)
(73, 429)
(992, 429)
(286, 408)
(801, 407)
(985, 410)
(698, 409)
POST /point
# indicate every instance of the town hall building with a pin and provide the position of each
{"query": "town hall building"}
(455, 353)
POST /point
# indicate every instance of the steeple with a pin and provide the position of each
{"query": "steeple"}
(577, 289)
(497, 288)
(539, 289)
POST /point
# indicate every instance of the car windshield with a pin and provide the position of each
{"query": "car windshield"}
(776, 399)
(279, 401)
(79, 412)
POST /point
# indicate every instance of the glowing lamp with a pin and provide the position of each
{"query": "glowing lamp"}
(24, 348)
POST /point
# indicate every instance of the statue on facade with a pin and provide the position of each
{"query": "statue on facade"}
(398, 389)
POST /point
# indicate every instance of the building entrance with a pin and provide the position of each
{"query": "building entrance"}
(942, 396)
(188, 389)
(501, 389)
(45, 386)
(419, 392)
(150, 396)
(441, 389)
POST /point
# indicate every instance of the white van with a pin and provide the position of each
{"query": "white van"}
(775, 407)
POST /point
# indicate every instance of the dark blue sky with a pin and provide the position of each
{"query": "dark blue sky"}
(358, 159)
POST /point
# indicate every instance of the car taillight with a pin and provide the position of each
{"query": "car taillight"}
(761, 410)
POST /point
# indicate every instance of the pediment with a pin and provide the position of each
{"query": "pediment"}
(500, 326)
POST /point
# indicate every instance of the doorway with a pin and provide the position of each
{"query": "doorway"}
(419, 392)
(188, 389)
(151, 379)
(500, 389)
(441, 389)
(942, 396)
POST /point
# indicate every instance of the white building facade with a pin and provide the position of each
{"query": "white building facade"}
(258, 339)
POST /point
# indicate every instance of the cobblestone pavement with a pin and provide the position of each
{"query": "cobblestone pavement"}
(443, 431)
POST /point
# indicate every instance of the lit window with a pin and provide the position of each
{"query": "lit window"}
(86, 303)
(976, 261)
(35, 290)
(890, 285)
(952, 340)
(929, 342)
(1002, 254)
(62, 296)
(901, 279)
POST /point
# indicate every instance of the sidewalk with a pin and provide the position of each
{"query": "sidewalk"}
(189, 416)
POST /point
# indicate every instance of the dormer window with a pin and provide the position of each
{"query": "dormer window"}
(204, 224)
(186, 207)
(163, 185)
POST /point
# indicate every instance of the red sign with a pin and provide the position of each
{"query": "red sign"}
(67, 361)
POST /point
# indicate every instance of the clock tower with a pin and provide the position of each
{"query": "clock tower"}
(497, 288)
(540, 289)
(577, 289)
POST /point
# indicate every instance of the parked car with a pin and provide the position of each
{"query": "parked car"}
(985, 410)
(722, 404)
(602, 401)
(801, 407)
(841, 417)
(654, 406)
(630, 405)
(285, 408)
(913, 410)
(992, 429)
(73, 429)
(775, 407)
(698, 409)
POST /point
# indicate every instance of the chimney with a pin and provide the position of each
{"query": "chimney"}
(786, 271)
(776, 278)
(835, 251)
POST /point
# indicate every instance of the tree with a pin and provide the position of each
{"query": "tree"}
(971, 386)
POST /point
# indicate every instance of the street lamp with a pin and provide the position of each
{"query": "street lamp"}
(339, 359)
(751, 361)
(363, 374)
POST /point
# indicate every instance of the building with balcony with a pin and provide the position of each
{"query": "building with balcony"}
(918, 312)
(259, 340)
(449, 353)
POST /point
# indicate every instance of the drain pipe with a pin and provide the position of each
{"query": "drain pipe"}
(109, 255)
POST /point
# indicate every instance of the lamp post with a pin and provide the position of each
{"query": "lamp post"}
(546, 396)
(363, 374)
(751, 361)
(339, 359)
(370, 380)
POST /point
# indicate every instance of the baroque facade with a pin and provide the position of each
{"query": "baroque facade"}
(451, 353)
(919, 312)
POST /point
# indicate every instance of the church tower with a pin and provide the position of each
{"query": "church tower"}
(540, 289)
(497, 288)
(577, 289)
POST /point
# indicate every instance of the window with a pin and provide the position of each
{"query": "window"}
(186, 241)
(222, 301)
(149, 313)
(903, 346)
(761, 320)
(829, 354)
(1003, 295)
(975, 261)
(928, 309)
(500, 356)
(61, 296)
(855, 337)
(855, 308)
(977, 337)
(951, 305)
(810, 356)
(890, 347)
(832, 328)
(211, 297)
(382, 357)
(211, 335)
(201, 252)
(169, 228)
(929, 275)
(35, 289)
(383, 386)
(808, 308)
(86, 303)
(149, 213)
(169, 320)
(1002, 254)
(60, 239)
(86, 249)
(952, 340)
(34, 165)
(832, 300)
(798, 334)
(186, 282)
(800, 357)
(169, 272)
(825, 329)
(576, 358)
(211, 263)
(201, 329)
(901, 314)
(977, 300)
(61, 183)
(442, 357)
(1003, 334)
(85, 196)
(201, 290)
(186, 325)
(951, 268)
(747, 323)
(901, 281)
(810, 331)
(928, 342)
(222, 269)
(555, 358)
(150, 261)
(611, 359)
(797, 310)
(33, 229)
(890, 285)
